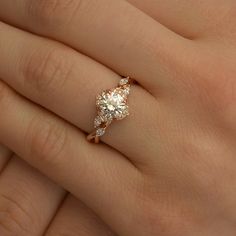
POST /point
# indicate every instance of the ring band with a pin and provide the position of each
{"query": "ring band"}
(111, 105)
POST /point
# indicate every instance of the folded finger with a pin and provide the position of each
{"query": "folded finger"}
(28, 200)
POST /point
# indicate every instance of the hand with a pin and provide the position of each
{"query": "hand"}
(169, 168)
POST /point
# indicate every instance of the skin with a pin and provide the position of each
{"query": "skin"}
(169, 168)
(31, 204)
(5, 155)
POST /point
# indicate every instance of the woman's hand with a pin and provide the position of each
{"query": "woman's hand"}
(168, 169)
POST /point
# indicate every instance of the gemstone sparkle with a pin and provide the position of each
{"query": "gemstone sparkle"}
(112, 104)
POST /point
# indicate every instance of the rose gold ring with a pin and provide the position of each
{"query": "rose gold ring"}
(111, 105)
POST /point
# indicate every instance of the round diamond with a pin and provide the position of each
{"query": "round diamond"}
(112, 104)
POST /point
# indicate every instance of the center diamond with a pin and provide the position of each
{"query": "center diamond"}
(112, 104)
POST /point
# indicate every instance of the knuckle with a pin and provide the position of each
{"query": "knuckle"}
(53, 13)
(217, 86)
(149, 218)
(212, 81)
(47, 141)
(222, 91)
(14, 218)
(46, 72)
(160, 217)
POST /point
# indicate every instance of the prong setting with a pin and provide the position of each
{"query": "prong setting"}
(111, 105)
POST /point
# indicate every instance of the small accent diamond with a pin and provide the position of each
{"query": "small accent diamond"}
(124, 81)
(97, 121)
(127, 90)
(100, 131)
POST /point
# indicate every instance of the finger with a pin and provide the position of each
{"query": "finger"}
(124, 38)
(74, 218)
(63, 81)
(5, 155)
(97, 175)
(189, 18)
(28, 200)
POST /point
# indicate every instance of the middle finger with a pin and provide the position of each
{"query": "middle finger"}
(113, 32)
(62, 80)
